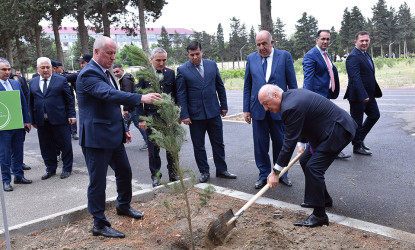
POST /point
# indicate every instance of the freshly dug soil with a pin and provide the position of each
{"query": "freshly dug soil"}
(261, 227)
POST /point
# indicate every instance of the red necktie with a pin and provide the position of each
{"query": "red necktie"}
(330, 71)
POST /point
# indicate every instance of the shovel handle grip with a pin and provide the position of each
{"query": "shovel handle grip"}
(262, 191)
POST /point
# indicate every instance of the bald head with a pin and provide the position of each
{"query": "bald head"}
(269, 96)
(264, 43)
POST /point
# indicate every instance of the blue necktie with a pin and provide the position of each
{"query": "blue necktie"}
(264, 66)
(45, 86)
(368, 59)
(8, 86)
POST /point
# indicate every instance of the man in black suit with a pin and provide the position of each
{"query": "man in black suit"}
(308, 116)
(362, 91)
(201, 95)
(127, 84)
(52, 110)
(102, 134)
(168, 85)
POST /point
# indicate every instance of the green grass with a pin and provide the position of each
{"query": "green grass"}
(399, 74)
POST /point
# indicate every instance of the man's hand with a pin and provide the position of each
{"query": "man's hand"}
(187, 121)
(300, 150)
(142, 125)
(247, 116)
(71, 120)
(124, 113)
(223, 113)
(273, 179)
(366, 100)
(27, 127)
(150, 98)
(128, 137)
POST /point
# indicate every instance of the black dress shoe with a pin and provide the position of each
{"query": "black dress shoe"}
(25, 167)
(286, 181)
(226, 175)
(260, 184)
(75, 137)
(22, 181)
(328, 203)
(361, 151)
(204, 177)
(364, 146)
(65, 174)
(173, 176)
(107, 231)
(7, 187)
(342, 156)
(156, 182)
(130, 213)
(313, 221)
(47, 175)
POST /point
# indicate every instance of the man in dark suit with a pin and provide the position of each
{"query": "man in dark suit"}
(52, 110)
(127, 84)
(199, 86)
(168, 85)
(308, 116)
(11, 141)
(267, 65)
(102, 132)
(362, 91)
(320, 73)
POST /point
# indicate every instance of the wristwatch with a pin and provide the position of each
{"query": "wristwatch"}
(276, 171)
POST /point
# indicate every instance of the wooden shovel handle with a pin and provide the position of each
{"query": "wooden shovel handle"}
(262, 191)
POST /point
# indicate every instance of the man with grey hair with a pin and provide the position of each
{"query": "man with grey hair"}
(102, 132)
(168, 85)
(11, 141)
(52, 111)
(278, 69)
(308, 116)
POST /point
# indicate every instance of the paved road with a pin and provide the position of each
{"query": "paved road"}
(378, 188)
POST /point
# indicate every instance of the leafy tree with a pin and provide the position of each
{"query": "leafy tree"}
(392, 29)
(220, 50)
(306, 30)
(380, 21)
(164, 40)
(405, 27)
(334, 44)
(251, 47)
(266, 17)
(357, 23)
(346, 36)
(279, 37)
(237, 38)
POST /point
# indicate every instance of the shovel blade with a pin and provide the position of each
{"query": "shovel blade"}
(218, 230)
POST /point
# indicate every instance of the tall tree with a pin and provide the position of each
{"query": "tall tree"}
(305, 34)
(79, 14)
(164, 40)
(251, 47)
(392, 22)
(346, 36)
(380, 24)
(237, 38)
(266, 17)
(334, 44)
(357, 23)
(280, 39)
(405, 27)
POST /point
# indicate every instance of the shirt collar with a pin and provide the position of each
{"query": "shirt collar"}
(102, 68)
(321, 51)
(48, 79)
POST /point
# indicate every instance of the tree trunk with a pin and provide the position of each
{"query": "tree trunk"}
(381, 50)
(55, 25)
(266, 18)
(143, 32)
(82, 29)
(18, 54)
(390, 49)
(106, 22)
(38, 30)
(405, 49)
(9, 51)
(399, 55)
(371, 51)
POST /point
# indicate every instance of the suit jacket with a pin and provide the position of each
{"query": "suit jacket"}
(317, 76)
(168, 86)
(312, 117)
(23, 84)
(57, 103)
(362, 81)
(127, 83)
(197, 96)
(100, 120)
(25, 110)
(282, 75)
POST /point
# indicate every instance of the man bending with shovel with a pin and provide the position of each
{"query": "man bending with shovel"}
(310, 117)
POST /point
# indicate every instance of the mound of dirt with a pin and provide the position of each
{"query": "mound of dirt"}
(261, 227)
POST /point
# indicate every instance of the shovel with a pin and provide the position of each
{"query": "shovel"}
(220, 228)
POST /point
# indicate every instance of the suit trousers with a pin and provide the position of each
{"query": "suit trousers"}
(97, 161)
(154, 159)
(316, 164)
(357, 109)
(262, 131)
(11, 153)
(214, 128)
(54, 137)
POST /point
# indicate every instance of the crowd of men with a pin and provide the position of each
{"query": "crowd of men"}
(272, 103)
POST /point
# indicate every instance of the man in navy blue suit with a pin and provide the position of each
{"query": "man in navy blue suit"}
(202, 97)
(273, 66)
(320, 73)
(168, 85)
(102, 132)
(11, 141)
(52, 111)
(362, 91)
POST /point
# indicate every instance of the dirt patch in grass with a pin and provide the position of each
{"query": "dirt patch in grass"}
(261, 227)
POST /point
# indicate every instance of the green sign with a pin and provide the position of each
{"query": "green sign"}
(10, 110)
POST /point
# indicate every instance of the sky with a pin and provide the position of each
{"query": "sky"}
(205, 15)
